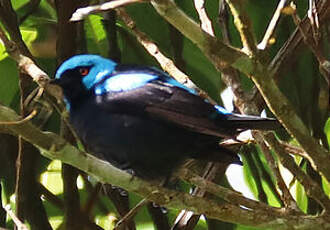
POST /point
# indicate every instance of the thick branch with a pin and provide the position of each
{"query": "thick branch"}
(222, 55)
(285, 112)
(54, 147)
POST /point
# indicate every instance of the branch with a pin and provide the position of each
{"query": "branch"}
(16, 220)
(222, 55)
(8, 18)
(246, 102)
(243, 25)
(226, 194)
(272, 25)
(54, 147)
(281, 106)
(323, 9)
(285, 112)
(166, 63)
(311, 187)
(286, 195)
(206, 23)
(313, 42)
(81, 13)
(25, 63)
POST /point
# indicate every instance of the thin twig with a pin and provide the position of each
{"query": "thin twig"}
(313, 42)
(81, 13)
(206, 23)
(314, 19)
(187, 219)
(131, 213)
(272, 25)
(166, 63)
(286, 195)
(243, 25)
(224, 193)
(25, 119)
(294, 150)
(311, 187)
(18, 223)
(25, 63)
(295, 39)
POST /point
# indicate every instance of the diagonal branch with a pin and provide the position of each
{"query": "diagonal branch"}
(206, 23)
(165, 62)
(54, 147)
(272, 24)
(81, 13)
(323, 9)
(311, 187)
(25, 63)
(222, 55)
(243, 25)
(286, 196)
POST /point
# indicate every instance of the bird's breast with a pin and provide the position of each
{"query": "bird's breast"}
(130, 141)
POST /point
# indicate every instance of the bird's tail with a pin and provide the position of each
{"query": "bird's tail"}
(242, 122)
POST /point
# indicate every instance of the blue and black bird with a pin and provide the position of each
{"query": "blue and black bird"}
(141, 119)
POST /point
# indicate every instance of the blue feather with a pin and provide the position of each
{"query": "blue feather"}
(173, 82)
(123, 82)
(102, 68)
(132, 80)
(222, 110)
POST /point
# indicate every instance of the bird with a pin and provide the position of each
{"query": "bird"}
(140, 119)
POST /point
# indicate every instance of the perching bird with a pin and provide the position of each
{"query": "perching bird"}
(141, 119)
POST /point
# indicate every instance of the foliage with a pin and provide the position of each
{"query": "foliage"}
(48, 194)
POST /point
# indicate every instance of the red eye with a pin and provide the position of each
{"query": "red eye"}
(83, 71)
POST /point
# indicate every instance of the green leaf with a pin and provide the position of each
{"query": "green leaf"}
(248, 167)
(301, 197)
(28, 35)
(327, 129)
(95, 35)
(8, 81)
(3, 53)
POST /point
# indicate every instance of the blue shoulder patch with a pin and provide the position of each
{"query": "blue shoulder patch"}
(219, 111)
(132, 80)
(124, 81)
(222, 110)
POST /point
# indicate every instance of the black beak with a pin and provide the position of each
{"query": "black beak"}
(54, 88)
(55, 82)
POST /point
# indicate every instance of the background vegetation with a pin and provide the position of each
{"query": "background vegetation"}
(279, 64)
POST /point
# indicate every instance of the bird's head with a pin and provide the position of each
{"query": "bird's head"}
(80, 73)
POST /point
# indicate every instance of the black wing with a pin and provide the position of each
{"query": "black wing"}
(165, 102)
